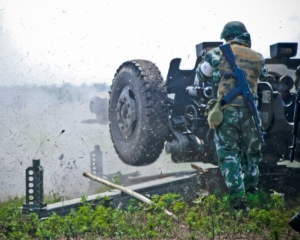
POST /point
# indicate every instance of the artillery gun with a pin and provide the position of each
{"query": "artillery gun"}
(148, 114)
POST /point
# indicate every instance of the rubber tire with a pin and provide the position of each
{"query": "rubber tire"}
(147, 139)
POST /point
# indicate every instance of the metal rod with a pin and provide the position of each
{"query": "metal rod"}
(125, 190)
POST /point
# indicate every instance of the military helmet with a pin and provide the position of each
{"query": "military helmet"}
(233, 29)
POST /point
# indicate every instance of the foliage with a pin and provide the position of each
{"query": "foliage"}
(208, 217)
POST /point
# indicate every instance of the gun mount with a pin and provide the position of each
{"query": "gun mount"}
(148, 114)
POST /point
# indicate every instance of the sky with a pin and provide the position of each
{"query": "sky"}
(79, 42)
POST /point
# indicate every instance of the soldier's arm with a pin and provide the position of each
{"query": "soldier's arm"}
(209, 68)
(264, 69)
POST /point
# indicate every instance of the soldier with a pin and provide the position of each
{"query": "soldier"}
(237, 142)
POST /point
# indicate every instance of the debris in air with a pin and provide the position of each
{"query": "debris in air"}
(62, 131)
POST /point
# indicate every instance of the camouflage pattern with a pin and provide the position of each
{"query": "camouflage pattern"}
(236, 139)
(233, 29)
(213, 58)
(246, 59)
(239, 149)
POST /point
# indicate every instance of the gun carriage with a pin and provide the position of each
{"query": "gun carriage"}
(148, 114)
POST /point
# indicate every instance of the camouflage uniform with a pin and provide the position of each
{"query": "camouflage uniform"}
(236, 139)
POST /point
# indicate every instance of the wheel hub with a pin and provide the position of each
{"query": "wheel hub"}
(127, 111)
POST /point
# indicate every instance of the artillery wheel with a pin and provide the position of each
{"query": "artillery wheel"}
(137, 112)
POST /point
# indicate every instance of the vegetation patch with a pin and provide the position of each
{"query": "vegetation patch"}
(209, 217)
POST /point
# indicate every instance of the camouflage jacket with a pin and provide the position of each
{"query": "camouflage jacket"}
(213, 58)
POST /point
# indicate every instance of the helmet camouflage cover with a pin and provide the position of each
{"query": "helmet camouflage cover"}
(233, 29)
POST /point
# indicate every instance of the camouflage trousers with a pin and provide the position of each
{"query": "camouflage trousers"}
(238, 149)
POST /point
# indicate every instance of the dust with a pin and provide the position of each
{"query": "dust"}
(62, 126)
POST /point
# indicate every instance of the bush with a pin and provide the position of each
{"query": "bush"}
(208, 217)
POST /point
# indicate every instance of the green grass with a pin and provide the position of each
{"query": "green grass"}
(209, 217)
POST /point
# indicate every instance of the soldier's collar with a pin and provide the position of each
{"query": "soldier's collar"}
(238, 42)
